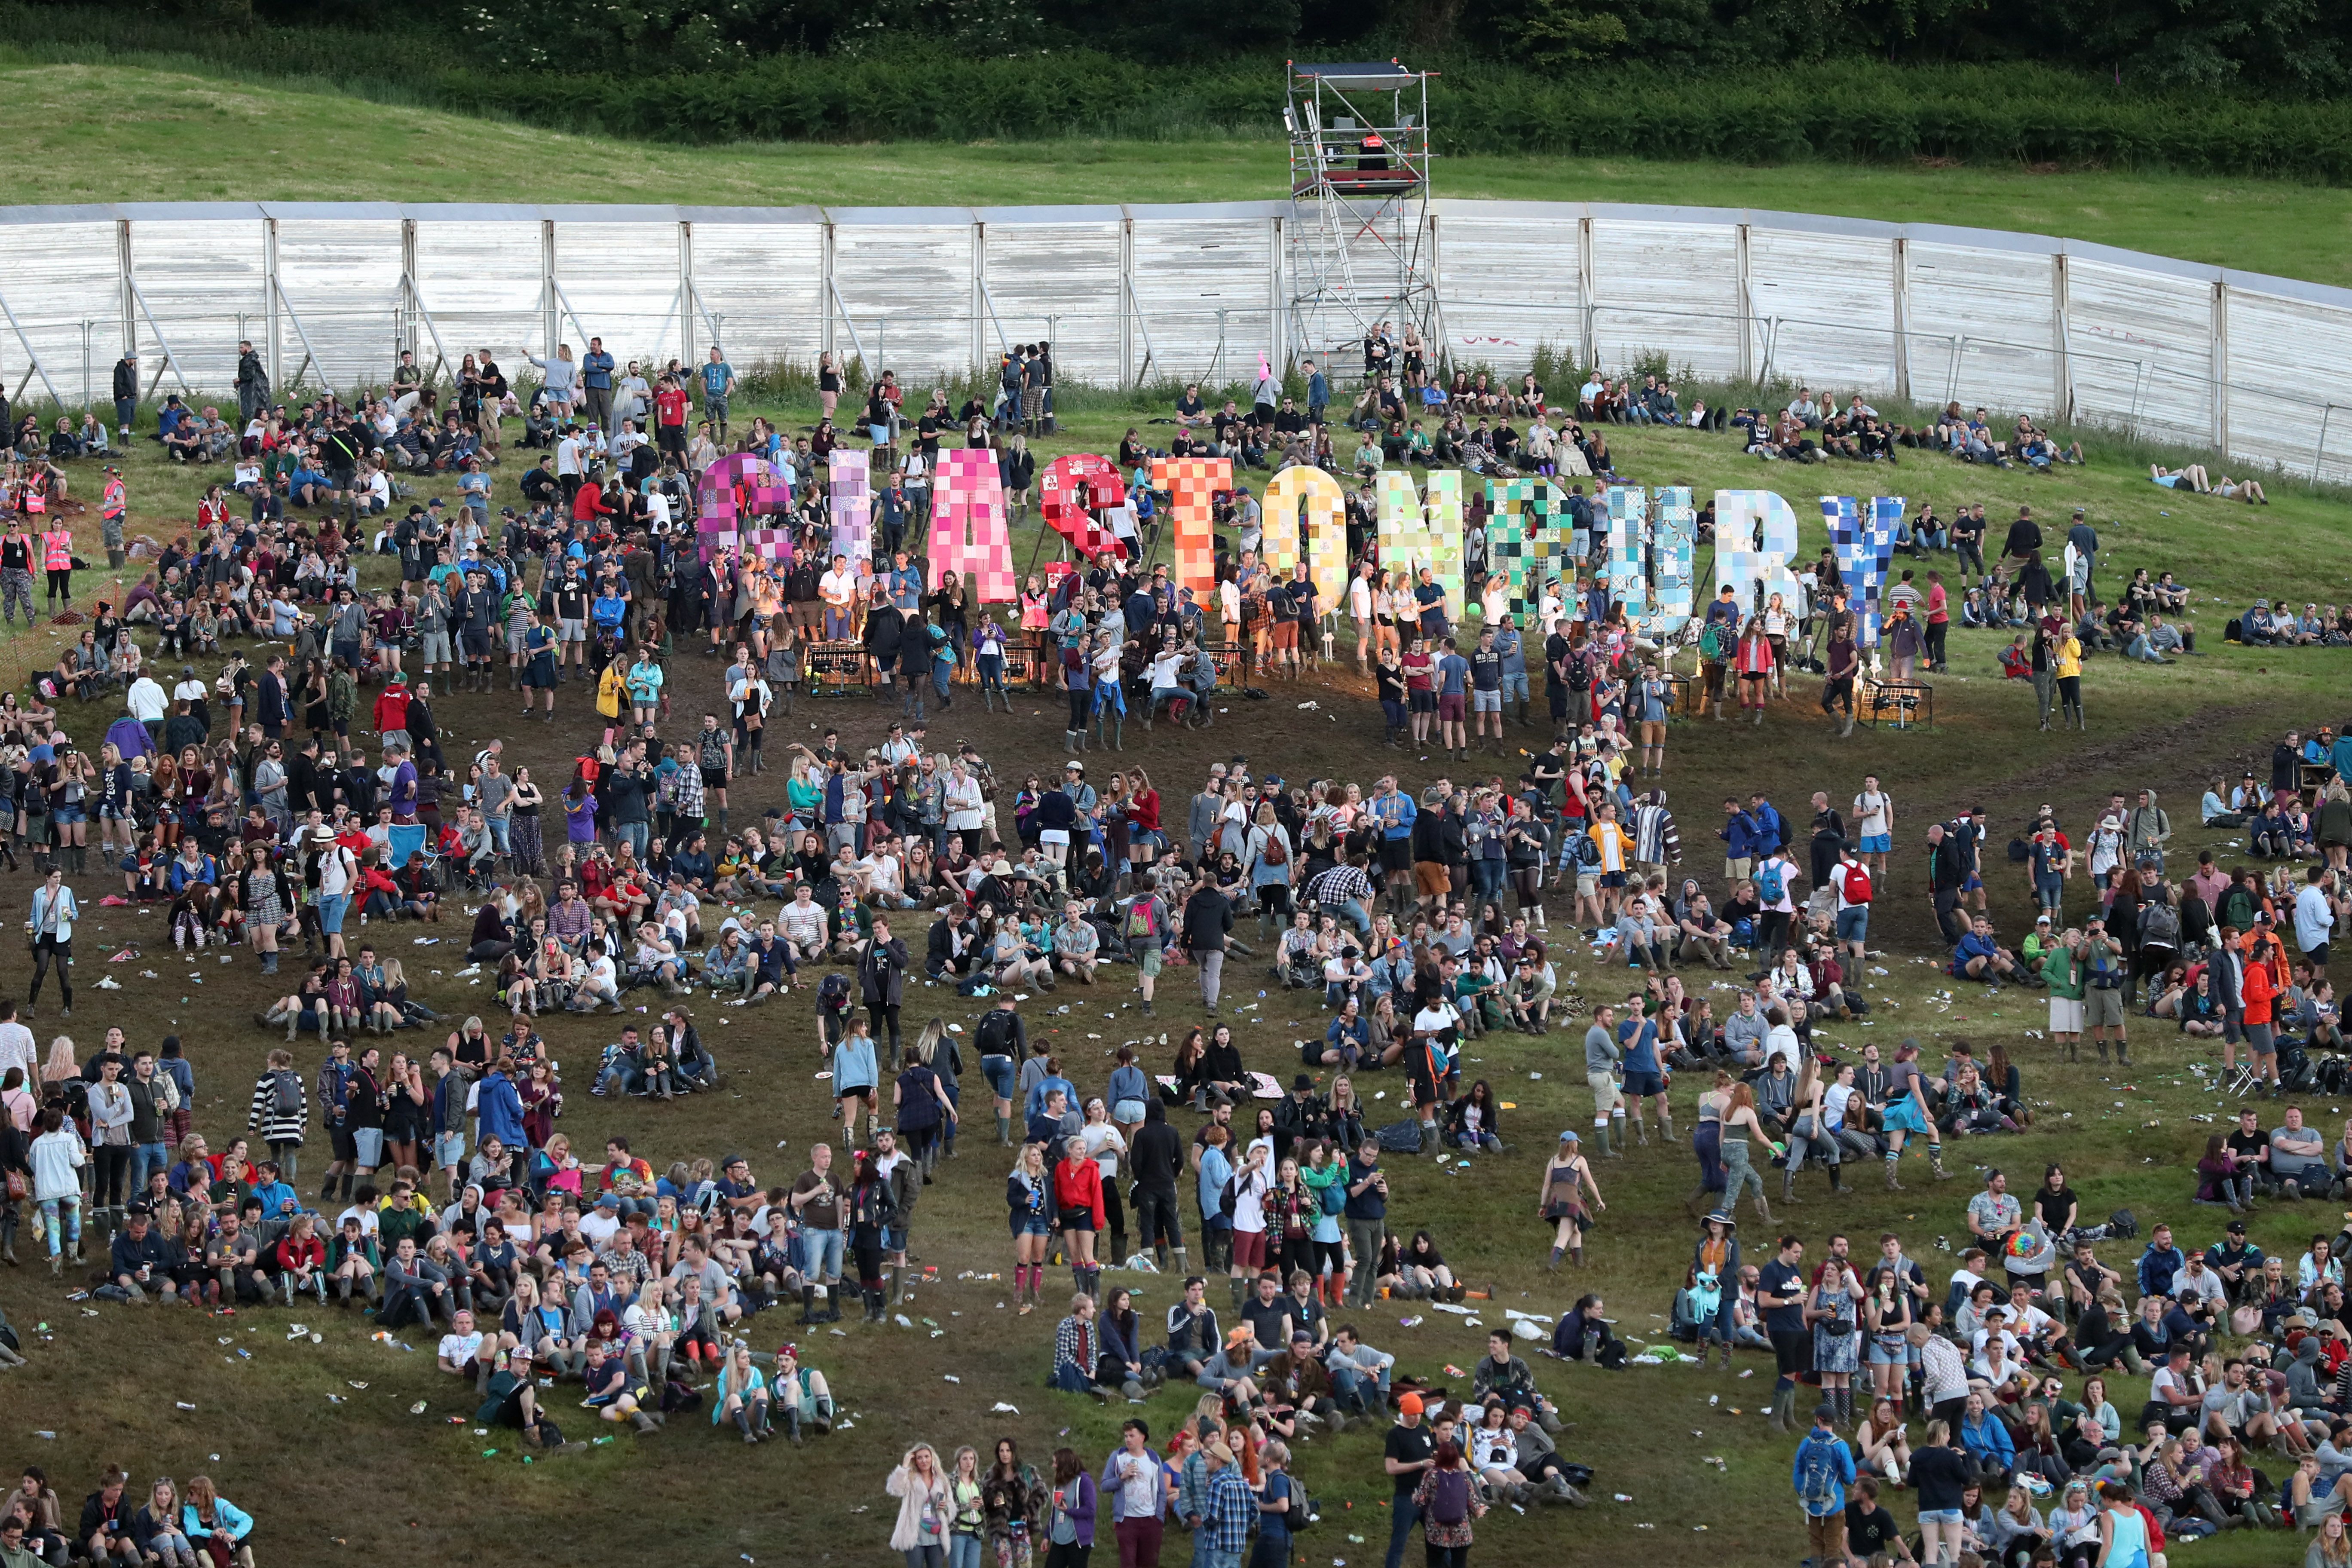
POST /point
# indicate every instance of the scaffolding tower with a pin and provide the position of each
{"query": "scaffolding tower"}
(1357, 235)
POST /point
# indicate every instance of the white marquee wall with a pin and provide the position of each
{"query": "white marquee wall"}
(2173, 350)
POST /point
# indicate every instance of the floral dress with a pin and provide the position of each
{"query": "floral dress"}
(1434, 1533)
(1834, 1352)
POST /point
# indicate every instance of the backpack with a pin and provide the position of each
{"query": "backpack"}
(1449, 1499)
(1770, 885)
(1710, 643)
(1583, 850)
(1857, 885)
(285, 1095)
(1275, 853)
(1817, 1484)
(2160, 926)
(1141, 922)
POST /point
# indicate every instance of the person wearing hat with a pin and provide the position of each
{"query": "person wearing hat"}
(1567, 1177)
(1711, 1287)
(1821, 1471)
(1407, 1454)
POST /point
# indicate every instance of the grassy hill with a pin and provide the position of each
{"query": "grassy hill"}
(95, 131)
(318, 1440)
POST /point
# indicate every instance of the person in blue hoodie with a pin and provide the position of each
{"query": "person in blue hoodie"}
(500, 1107)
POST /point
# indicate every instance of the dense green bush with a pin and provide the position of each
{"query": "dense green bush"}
(1841, 109)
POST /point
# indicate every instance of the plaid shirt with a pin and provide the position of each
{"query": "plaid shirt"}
(1232, 1507)
(1075, 1345)
(1342, 883)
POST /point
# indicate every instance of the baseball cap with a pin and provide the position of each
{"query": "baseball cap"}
(1568, 1136)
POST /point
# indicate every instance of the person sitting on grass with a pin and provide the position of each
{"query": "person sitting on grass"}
(1979, 957)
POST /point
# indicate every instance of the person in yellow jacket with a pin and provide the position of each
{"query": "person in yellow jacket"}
(2067, 655)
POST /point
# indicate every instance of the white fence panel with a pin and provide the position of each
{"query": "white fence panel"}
(1831, 299)
(1981, 325)
(764, 282)
(1055, 279)
(1510, 281)
(199, 276)
(479, 279)
(905, 279)
(1188, 269)
(2139, 348)
(2285, 365)
(340, 279)
(1663, 287)
(56, 276)
(620, 280)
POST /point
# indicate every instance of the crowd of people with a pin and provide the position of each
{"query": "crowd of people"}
(246, 805)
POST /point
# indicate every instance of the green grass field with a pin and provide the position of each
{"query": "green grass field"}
(318, 1440)
(109, 132)
(332, 1467)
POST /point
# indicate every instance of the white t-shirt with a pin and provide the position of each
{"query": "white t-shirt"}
(1869, 814)
(1837, 883)
(1104, 1146)
(364, 1213)
(1787, 882)
(838, 589)
(598, 1225)
(460, 1348)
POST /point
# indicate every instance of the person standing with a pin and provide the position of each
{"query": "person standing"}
(50, 928)
(1208, 922)
(816, 1197)
(1447, 1501)
(1136, 1482)
(126, 390)
(1367, 1209)
(597, 381)
(1821, 1472)
(1407, 1455)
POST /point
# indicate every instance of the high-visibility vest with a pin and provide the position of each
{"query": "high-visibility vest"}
(56, 548)
(115, 505)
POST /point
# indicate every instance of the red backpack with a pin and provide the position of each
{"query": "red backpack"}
(1857, 884)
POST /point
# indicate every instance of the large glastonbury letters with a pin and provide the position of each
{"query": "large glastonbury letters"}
(1069, 491)
(1414, 532)
(1325, 525)
(1624, 568)
(1526, 532)
(1863, 551)
(1673, 534)
(732, 494)
(851, 502)
(968, 529)
(1193, 484)
(1755, 539)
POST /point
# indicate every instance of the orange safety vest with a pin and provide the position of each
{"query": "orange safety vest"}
(56, 548)
(115, 504)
